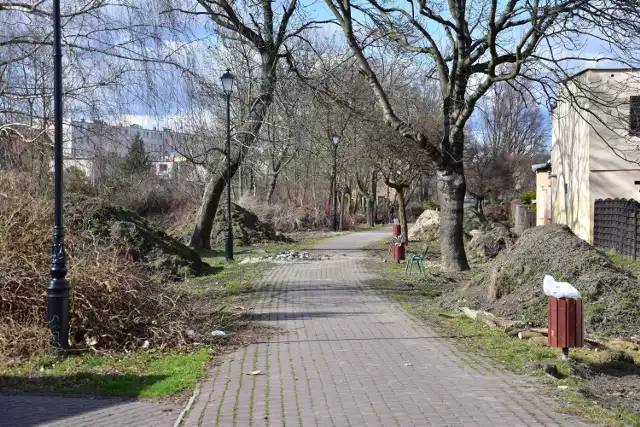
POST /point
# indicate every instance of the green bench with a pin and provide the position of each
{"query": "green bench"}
(417, 259)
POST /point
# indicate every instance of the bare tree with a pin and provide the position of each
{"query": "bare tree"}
(471, 47)
(510, 130)
(267, 30)
(511, 122)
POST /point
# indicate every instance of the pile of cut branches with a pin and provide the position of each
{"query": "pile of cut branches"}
(116, 302)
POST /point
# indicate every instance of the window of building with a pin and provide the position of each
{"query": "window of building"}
(634, 115)
(163, 168)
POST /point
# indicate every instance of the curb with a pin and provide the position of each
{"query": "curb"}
(188, 406)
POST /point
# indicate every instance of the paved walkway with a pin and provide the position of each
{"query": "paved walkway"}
(349, 358)
(26, 410)
(353, 358)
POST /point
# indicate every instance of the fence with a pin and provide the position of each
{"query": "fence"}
(615, 226)
(524, 217)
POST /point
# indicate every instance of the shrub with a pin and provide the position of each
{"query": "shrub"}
(287, 217)
(76, 182)
(432, 205)
(153, 195)
(528, 197)
(414, 211)
(359, 219)
(115, 303)
(496, 213)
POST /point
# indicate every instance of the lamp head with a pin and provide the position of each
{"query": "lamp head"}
(227, 82)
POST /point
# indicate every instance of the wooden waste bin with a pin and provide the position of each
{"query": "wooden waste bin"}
(566, 324)
(398, 251)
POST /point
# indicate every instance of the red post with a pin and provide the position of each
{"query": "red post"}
(400, 252)
(396, 230)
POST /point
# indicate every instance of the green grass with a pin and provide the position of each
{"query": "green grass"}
(141, 373)
(625, 262)
(379, 245)
(500, 349)
(136, 374)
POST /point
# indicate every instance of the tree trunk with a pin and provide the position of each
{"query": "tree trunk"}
(342, 197)
(201, 235)
(452, 188)
(272, 187)
(371, 199)
(252, 183)
(334, 193)
(402, 215)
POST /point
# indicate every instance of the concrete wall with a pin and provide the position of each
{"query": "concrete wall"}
(572, 202)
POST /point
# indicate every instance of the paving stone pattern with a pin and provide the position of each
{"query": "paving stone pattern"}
(353, 358)
(26, 410)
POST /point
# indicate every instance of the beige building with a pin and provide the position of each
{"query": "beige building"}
(595, 145)
(543, 193)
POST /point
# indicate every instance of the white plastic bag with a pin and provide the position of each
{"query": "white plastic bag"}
(558, 289)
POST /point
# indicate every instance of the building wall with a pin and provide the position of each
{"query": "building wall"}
(572, 202)
(614, 153)
(85, 140)
(612, 145)
(543, 196)
(593, 152)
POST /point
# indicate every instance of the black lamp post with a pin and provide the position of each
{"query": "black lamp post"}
(58, 288)
(227, 87)
(336, 141)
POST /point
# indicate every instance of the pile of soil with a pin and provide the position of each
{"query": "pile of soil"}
(247, 227)
(427, 226)
(511, 286)
(486, 245)
(135, 237)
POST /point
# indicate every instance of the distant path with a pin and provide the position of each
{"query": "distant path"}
(353, 358)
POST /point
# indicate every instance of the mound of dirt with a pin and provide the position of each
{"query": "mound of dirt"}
(512, 286)
(427, 226)
(132, 234)
(487, 245)
(247, 227)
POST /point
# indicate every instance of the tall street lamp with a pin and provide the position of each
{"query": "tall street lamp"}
(58, 287)
(227, 87)
(336, 141)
